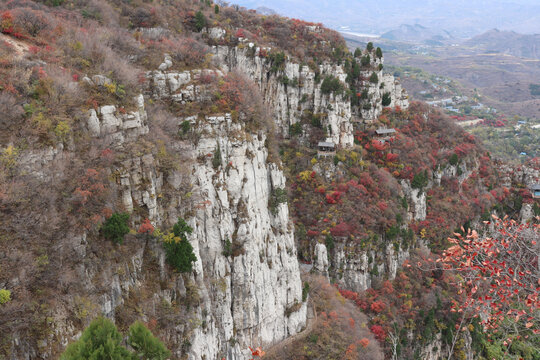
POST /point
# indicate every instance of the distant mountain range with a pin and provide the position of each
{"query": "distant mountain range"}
(461, 18)
(418, 34)
(507, 42)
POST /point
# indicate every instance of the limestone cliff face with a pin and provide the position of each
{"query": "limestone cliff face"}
(289, 101)
(116, 126)
(247, 272)
(260, 299)
(416, 198)
(301, 92)
(371, 107)
(354, 268)
(245, 289)
(250, 295)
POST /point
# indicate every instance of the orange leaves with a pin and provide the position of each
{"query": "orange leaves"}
(497, 271)
(351, 352)
(378, 306)
(257, 352)
(363, 342)
(146, 227)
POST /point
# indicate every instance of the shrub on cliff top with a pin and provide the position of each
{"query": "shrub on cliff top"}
(331, 84)
(420, 180)
(369, 46)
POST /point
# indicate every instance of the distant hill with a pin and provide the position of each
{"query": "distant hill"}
(418, 34)
(263, 10)
(507, 42)
(462, 18)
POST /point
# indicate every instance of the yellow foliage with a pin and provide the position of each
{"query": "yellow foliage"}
(313, 161)
(62, 130)
(169, 237)
(42, 122)
(8, 157)
(305, 175)
(5, 296)
(110, 87)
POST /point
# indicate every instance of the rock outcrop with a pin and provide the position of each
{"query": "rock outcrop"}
(247, 271)
(296, 89)
(260, 301)
(116, 125)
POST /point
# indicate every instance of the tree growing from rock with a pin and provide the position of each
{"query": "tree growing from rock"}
(100, 340)
(115, 227)
(178, 251)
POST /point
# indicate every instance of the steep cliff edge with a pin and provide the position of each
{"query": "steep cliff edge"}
(172, 111)
(246, 285)
(295, 91)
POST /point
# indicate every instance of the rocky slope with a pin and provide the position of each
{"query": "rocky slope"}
(184, 147)
(301, 91)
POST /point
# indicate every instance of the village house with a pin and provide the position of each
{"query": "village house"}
(326, 148)
(383, 134)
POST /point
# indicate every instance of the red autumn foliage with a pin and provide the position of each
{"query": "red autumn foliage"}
(377, 306)
(379, 332)
(146, 227)
(364, 342)
(499, 274)
(341, 230)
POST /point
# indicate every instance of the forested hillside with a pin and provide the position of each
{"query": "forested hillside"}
(189, 180)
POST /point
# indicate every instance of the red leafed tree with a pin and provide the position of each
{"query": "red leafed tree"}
(146, 227)
(500, 278)
(341, 229)
(379, 332)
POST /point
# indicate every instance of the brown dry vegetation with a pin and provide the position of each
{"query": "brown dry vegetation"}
(339, 330)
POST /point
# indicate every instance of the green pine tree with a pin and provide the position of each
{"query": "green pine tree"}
(369, 46)
(178, 251)
(100, 340)
(115, 227)
(145, 345)
(200, 21)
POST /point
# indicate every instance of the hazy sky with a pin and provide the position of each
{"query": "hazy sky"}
(460, 17)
